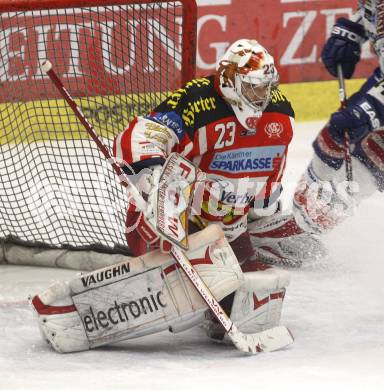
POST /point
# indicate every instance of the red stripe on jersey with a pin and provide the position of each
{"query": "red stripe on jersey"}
(126, 143)
(330, 143)
(377, 149)
(184, 144)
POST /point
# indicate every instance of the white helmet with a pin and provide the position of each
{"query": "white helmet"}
(247, 73)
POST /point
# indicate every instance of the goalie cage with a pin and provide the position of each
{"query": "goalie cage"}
(59, 198)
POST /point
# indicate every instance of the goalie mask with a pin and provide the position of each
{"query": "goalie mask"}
(247, 73)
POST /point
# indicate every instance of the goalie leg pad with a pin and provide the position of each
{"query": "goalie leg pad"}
(256, 305)
(142, 296)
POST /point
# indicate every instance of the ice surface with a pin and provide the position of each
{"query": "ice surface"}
(335, 309)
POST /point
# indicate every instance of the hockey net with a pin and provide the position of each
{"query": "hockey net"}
(119, 59)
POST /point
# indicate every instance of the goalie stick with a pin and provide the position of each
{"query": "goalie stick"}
(267, 340)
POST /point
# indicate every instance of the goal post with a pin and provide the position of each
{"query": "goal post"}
(119, 59)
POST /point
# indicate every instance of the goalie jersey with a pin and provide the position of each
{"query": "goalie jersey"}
(198, 123)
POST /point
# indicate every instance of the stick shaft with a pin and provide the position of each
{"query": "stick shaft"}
(124, 179)
(343, 103)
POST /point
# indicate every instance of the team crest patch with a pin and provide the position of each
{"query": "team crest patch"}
(251, 122)
(274, 129)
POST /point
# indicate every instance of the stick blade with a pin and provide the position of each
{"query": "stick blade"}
(46, 66)
(266, 341)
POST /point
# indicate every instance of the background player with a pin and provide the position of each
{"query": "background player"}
(323, 197)
(321, 200)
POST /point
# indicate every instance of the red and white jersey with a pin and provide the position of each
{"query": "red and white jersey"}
(198, 123)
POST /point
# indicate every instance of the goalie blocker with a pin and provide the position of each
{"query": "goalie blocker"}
(149, 294)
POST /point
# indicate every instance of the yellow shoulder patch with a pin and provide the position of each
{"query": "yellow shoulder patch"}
(277, 96)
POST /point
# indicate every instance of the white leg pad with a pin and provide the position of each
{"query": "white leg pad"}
(131, 299)
(259, 300)
(257, 303)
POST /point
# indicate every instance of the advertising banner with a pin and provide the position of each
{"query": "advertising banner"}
(294, 31)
